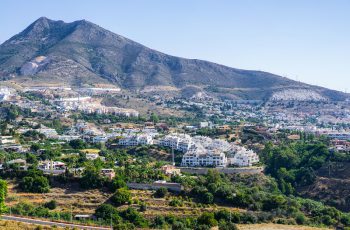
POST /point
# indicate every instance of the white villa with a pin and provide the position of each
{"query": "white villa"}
(51, 165)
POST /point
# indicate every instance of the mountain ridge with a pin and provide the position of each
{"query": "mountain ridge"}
(81, 53)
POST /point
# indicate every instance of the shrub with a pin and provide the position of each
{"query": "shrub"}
(143, 207)
(134, 217)
(223, 225)
(161, 192)
(207, 219)
(228, 216)
(52, 204)
(300, 218)
(176, 202)
(124, 226)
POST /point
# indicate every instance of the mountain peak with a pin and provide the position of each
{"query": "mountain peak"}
(43, 22)
(42, 19)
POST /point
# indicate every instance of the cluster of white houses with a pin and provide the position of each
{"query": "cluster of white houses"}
(198, 150)
(214, 152)
(88, 105)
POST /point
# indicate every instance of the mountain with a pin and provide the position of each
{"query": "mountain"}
(83, 54)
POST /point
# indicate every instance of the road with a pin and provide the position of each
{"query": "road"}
(51, 223)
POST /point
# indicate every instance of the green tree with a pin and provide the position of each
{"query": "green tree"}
(274, 202)
(36, 184)
(117, 183)
(77, 144)
(35, 147)
(91, 177)
(208, 198)
(154, 117)
(134, 217)
(31, 158)
(106, 212)
(121, 196)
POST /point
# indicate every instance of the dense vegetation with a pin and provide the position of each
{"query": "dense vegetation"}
(294, 164)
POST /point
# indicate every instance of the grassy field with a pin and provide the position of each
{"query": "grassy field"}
(275, 227)
(13, 225)
(86, 201)
(68, 198)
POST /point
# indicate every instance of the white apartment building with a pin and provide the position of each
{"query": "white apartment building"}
(199, 156)
(68, 137)
(100, 139)
(72, 103)
(136, 139)
(339, 135)
(7, 140)
(244, 158)
(181, 142)
(49, 133)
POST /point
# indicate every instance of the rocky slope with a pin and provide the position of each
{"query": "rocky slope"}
(81, 53)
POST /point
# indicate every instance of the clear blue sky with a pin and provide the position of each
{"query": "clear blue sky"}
(304, 40)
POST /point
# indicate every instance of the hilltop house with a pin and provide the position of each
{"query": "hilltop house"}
(109, 173)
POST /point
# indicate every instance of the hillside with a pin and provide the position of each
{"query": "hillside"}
(332, 186)
(82, 54)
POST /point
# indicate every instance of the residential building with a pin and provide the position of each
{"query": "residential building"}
(68, 138)
(7, 140)
(244, 158)
(100, 139)
(181, 142)
(51, 165)
(48, 132)
(136, 139)
(199, 156)
(170, 170)
(92, 156)
(109, 173)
